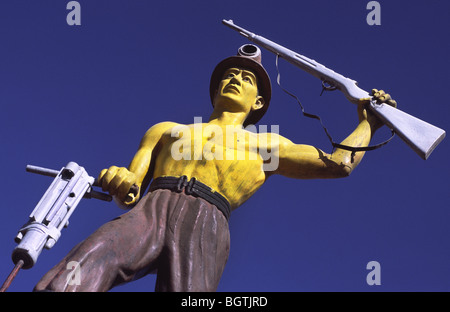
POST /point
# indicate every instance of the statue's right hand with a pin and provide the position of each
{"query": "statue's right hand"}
(118, 181)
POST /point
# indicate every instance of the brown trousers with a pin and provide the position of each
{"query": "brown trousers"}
(184, 238)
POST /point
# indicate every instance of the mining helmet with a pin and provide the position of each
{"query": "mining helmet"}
(249, 58)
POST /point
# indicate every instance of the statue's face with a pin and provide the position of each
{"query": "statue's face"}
(239, 89)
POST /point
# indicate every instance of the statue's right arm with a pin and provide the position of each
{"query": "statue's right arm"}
(118, 180)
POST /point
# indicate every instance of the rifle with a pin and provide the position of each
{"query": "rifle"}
(421, 136)
(51, 214)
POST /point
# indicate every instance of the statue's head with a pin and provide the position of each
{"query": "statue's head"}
(256, 88)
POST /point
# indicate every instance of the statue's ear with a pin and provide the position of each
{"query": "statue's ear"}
(259, 103)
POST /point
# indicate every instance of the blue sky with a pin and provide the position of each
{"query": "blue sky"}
(88, 93)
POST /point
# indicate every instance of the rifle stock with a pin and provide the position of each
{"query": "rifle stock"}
(421, 136)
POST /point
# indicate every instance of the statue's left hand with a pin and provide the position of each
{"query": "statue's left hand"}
(383, 97)
(380, 97)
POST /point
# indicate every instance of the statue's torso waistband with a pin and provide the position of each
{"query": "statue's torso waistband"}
(195, 188)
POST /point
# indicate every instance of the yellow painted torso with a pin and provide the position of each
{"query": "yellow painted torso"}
(232, 166)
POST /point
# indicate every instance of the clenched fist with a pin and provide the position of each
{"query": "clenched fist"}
(380, 97)
(120, 183)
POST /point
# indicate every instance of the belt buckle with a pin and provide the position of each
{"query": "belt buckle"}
(181, 184)
(189, 186)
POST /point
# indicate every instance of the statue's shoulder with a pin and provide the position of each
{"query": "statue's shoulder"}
(273, 137)
(162, 127)
(157, 131)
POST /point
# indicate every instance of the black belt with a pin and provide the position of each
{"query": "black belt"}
(194, 188)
